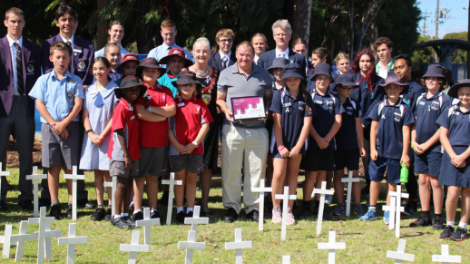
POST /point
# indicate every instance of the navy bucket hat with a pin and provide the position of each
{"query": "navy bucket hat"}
(129, 82)
(322, 69)
(346, 79)
(435, 70)
(453, 91)
(278, 63)
(292, 70)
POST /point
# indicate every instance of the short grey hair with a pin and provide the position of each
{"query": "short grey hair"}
(284, 24)
(202, 41)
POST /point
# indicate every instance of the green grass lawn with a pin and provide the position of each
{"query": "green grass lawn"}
(366, 242)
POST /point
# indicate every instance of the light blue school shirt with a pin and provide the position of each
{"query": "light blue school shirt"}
(100, 53)
(161, 51)
(58, 95)
(165, 80)
(96, 157)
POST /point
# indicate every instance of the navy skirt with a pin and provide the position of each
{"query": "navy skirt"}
(452, 176)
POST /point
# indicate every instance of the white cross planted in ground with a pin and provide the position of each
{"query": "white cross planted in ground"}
(134, 247)
(350, 181)
(332, 246)
(147, 223)
(323, 191)
(238, 245)
(262, 189)
(71, 241)
(392, 209)
(398, 196)
(35, 177)
(445, 257)
(21, 238)
(400, 254)
(191, 245)
(45, 234)
(285, 259)
(196, 220)
(171, 188)
(5, 239)
(2, 173)
(74, 177)
(113, 185)
(285, 200)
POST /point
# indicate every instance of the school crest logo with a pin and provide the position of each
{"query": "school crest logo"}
(397, 117)
(435, 105)
(301, 105)
(349, 110)
(81, 65)
(206, 98)
(330, 104)
(69, 95)
(30, 68)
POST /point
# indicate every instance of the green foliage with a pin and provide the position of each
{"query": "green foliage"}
(459, 56)
(421, 57)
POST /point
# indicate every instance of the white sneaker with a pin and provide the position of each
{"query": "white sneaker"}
(276, 218)
(290, 219)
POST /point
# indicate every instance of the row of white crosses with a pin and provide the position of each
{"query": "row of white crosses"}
(399, 256)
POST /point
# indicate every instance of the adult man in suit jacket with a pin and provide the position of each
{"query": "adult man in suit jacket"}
(224, 57)
(20, 66)
(66, 19)
(282, 32)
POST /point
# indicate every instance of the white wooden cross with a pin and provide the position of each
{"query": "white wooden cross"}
(74, 177)
(196, 220)
(398, 196)
(445, 257)
(261, 189)
(134, 247)
(21, 238)
(45, 234)
(392, 209)
(35, 177)
(113, 185)
(147, 222)
(191, 245)
(238, 245)
(285, 200)
(2, 173)
(350, 181)
(332, 246)
(323, 191)
(171, 188)
(5, 239)
(285, 259)
(71, 241)
(400, 254)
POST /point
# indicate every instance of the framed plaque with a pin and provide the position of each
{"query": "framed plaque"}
(250, 107)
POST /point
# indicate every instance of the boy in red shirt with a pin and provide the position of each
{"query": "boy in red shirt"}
(188, 128)
(124, 147)
(153, 111)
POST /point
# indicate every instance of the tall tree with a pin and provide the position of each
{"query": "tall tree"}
(303, 10)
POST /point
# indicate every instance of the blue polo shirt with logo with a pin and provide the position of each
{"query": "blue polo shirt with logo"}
(458, 124)
(346, 138)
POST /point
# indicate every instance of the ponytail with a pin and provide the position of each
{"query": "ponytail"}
(306, 95)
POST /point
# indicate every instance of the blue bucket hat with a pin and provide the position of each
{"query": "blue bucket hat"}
(322, 69)
(292, 70)
(393, 79)
(278, 63)
(346, 79)
(454, 89)
(435, 70)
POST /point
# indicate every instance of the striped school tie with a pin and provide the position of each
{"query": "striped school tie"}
(19, 69)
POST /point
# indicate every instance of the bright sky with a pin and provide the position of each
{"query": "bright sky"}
(457, 18)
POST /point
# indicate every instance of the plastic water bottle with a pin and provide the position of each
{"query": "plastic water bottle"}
(404, 173)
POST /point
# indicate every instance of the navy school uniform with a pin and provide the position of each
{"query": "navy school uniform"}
(389, 143)
(327, 107)
(293, 111)
(347, 146)
(427, 111)
(458, 124)
(311, 85)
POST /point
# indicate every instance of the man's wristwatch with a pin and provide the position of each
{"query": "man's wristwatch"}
(196, 144)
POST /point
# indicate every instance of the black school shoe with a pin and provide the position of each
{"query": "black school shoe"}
(108, 214)
(253, 216)
(69, 211)
(180, 217)
(421, 222)
(448, 231)
(410, 209)
(26, 204)
(154, 214)
(230, 216)
(459, 234)
(120, 223)
(55, 211)
(138, 216)
(304, 213)
(437, 223)
(98, 215)
(128, 220)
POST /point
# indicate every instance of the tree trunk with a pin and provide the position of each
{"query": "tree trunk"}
(101, 36)
(367, 18)
(351, 23)
(302, 20)
(142, 35)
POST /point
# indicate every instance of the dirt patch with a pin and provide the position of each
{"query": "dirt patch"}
(13, 160)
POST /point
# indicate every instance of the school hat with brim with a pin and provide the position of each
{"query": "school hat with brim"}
(129, 57)
(278, 63)
(149, 63)
(322, 69)
(129, 82)
(393, 79)
(346, 79)
(185, 77)
(435, 70)
(453, 91)
(176, 52)
(292, 70)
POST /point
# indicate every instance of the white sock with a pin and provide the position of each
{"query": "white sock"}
(189, 209)
(463, 225)
(124, 214)
(179, 209)
(117, 216)
(136, 211)
(451, 223)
